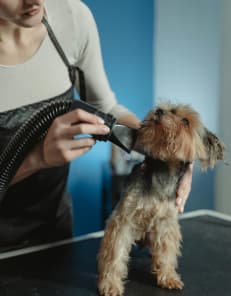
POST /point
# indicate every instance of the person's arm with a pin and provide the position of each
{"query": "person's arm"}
(130, 120)
(60, 146)
(90, 60)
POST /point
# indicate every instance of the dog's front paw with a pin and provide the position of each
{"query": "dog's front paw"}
(170, 281)
(109, 288)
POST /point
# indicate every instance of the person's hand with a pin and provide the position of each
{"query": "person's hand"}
(184, 189)
(59, 145)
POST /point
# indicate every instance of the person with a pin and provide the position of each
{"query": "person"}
(34, 67)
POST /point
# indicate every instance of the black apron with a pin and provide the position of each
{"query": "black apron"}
(37, 209)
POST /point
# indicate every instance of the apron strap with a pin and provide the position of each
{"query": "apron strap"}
(71, 68)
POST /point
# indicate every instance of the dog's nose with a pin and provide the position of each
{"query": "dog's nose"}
(159, 112)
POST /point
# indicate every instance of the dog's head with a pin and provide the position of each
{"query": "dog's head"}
(173, 132)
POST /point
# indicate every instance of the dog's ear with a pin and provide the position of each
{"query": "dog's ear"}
(214, 148)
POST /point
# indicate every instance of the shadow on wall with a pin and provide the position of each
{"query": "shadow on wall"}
(202, 193)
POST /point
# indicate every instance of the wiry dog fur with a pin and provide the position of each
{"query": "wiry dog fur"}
(173, 136)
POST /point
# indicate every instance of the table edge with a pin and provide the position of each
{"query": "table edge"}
(98, 234)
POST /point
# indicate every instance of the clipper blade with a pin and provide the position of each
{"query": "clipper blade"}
(123, 136)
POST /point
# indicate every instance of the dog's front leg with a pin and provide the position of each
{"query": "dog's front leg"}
(113, 257)
(164, 240)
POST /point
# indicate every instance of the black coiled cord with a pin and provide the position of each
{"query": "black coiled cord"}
(28, 135)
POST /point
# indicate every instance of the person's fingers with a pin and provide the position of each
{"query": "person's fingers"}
(62, 148)
(85, 128)
(181, 203)
(81, 143)
(74, 153)
(184, 189)
(179, 200)
(183, 195)
(67, 150)
(62, 131)
(77, 116)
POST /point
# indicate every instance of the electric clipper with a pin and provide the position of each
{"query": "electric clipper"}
(120, 135)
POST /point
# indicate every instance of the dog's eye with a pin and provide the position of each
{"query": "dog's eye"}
(173, 111)
(159, 112)
(185, 122)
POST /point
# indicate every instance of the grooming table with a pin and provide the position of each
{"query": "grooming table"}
(68, 268)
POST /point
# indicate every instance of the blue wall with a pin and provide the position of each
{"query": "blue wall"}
(187, 70)
(126, 33)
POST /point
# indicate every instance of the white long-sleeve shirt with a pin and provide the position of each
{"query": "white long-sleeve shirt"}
(45, 75)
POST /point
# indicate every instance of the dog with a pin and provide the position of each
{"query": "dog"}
(172, 136)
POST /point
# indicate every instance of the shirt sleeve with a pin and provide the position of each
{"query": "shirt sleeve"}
(98, 91)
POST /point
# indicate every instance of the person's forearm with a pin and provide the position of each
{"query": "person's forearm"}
(130, 120)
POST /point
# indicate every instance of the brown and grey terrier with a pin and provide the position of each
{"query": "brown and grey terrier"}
(173, 136)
